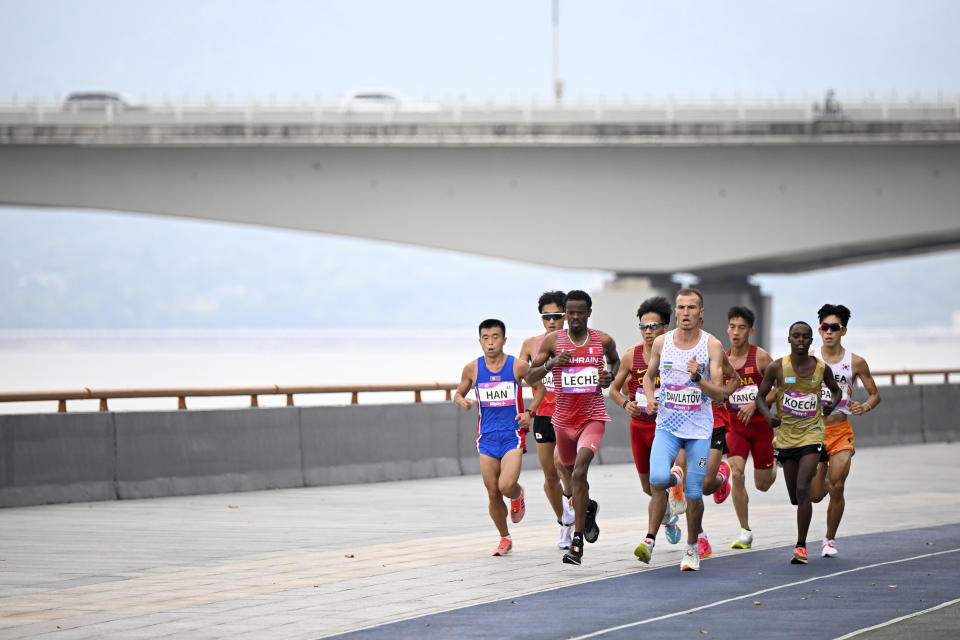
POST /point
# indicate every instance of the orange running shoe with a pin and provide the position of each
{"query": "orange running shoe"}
(678, 503)
(799, 555)
(517, 508)
(504, 547)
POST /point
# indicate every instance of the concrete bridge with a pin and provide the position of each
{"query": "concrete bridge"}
(720, 190)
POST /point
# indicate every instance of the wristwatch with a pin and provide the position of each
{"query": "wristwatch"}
(695, 377)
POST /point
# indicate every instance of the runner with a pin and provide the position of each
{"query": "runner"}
(580, 415)
(748, 431)
(838, 442)
(556, 478)
(799, 421)
(654, 315)
(688, 360)
(501, 425)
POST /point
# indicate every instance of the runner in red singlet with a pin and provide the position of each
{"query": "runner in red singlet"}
(556, 478)
(748, 431)
(578, 356)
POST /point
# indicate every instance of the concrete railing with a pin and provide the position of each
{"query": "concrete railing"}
(58, 457)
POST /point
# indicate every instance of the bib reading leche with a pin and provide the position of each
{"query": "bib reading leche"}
(743, 396)
(580, 379)
(802, 405)
(826, 397)
(641, 399)
(682, 398)
(496, 394)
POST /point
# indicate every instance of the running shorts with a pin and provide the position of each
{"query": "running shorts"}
(665, 448)
(497, 444)
(718, 439)
(641, 439)
(543, 429)
(744, 440)
(797, 452)
(839, 437)
(570, 441)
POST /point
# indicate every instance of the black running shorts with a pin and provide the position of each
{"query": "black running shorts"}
(543, 429)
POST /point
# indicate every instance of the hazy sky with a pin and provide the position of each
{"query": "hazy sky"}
(444, 49)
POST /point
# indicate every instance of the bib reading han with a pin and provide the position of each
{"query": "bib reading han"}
(496, 394)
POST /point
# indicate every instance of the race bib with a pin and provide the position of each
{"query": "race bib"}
(826, 397)
(548, 381)
(641, 399)
(801, 405)
(580, 379)
(496, 394)
(743, 396)
(682, 398)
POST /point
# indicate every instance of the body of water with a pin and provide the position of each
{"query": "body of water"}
(34, 359)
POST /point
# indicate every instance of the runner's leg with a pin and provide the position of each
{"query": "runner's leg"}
(839, 468)
(490, 472)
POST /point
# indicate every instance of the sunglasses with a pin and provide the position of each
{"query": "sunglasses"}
(830, 326)
(551, 316)
(650, 325)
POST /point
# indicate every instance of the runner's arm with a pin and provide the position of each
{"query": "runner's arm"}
(613, 360)
(733, 378)
(520, 369)
(835, 392)
(653, 368)
(538, 366)
(620, 381)
(771, 375)
(716, 355)
(466, 381)
(862, 370)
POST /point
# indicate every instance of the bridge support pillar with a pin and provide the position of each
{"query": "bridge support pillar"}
(615, 305)
(719, 294)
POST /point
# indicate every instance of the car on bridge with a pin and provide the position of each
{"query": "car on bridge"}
(381, 100)
(98, 101)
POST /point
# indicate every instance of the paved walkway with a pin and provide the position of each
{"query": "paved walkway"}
(305, 563)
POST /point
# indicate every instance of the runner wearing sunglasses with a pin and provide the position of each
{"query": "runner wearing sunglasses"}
(748, 432)
(654, 315)
(556, 478)
(838, 441)
(576, 356)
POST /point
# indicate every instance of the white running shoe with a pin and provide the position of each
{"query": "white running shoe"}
(744, 540)
(566, 535)
(829, 548)
(677, 501)
(667, 515)
(691, 559)
(568, 513)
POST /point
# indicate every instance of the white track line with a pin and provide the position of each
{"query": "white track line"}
(889, 622)
(756, 593)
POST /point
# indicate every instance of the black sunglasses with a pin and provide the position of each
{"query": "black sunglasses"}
(650, 325)
(551, 316)
(830, 326)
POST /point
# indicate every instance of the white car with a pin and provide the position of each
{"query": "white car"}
(380, 100)
(98, 101)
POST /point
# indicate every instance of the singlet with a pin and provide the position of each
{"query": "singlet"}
(635, 388)
(798, 403)
(577, 385)
(750, 378)
(843, 372)
(684, 409)
(498, 398)
(549, 403)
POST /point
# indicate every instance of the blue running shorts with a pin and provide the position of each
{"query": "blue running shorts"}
(497, 444)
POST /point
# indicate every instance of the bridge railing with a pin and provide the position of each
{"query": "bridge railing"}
(254, 392)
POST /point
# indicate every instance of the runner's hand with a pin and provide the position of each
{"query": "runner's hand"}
(652, 406)
(605, 379)
(774, 421)
(634, 410)
(857, 408)
(523, 419)
(562, 359)
(746, 412)
(465, 403)
(692, 366)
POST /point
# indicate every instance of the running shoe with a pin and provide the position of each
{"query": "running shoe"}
(517, 507)
(690, 561)
(673, 530)
(829, 548)
(704, 550)
(668, 515)
(566, 533)
(590, 529)
(644, 550)
(504, 547)
(799, 555)
(721, 494)
(744, 540)
(574, 555)
(678, 503)
(569, 515)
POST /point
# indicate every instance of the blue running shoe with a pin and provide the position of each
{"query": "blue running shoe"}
(673, 530)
